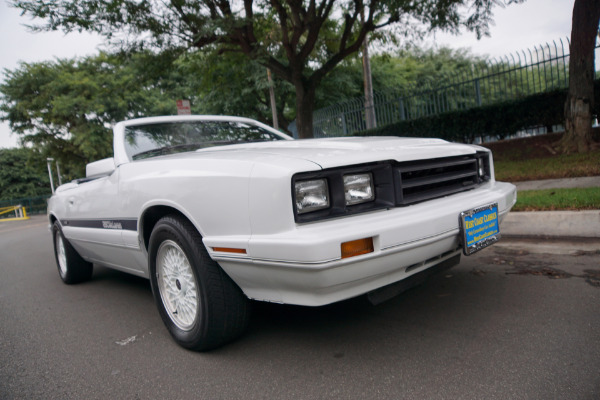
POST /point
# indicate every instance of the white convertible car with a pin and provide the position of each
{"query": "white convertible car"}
(219, 210)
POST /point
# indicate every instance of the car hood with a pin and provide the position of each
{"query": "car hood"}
(335, 152)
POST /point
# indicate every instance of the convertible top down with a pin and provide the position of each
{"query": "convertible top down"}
(219, 210)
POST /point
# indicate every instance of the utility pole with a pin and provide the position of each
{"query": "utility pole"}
(58, 173)
(368, 83)
(272, 96)
(49, 162)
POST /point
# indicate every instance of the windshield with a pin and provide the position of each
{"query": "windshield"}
(152, 140)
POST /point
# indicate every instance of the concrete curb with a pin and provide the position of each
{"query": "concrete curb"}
(552, 224)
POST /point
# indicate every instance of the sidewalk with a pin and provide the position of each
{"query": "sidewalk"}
(554, 224)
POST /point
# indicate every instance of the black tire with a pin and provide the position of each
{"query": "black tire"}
(72, 268)
(221, 310)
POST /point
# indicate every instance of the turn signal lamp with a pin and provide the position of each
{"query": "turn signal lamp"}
(357, 247)
(230, 250)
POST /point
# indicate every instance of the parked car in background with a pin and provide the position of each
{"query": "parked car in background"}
(215, 211)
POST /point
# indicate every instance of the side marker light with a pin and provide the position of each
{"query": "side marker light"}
(357, 247)
(229, 250)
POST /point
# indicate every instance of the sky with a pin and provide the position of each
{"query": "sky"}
(516, 27)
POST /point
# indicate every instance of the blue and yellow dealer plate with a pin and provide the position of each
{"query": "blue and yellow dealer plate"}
(479, 228)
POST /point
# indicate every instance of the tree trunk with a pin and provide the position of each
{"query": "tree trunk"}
(305, 102)
(580, 98)
(370, 118)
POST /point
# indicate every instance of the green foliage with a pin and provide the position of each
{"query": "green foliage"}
(416, 68)
(267, 25)
(410, 69)
(23, 173)
(66, 108)
(498, 120)
(224, 88)
(558, 199)
(301, 42)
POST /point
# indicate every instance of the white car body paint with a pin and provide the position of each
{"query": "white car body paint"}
(240, 196)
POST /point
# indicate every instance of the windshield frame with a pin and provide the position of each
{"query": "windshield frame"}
(122, 155)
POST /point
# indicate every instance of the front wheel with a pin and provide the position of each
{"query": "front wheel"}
(200, 305)
(72, 268)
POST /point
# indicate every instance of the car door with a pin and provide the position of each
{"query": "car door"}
(95, 223)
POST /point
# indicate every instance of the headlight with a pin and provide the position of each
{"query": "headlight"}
(311, 195)
(341, 191)
(358, 188)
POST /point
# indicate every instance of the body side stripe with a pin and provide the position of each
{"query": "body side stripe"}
(102, 223)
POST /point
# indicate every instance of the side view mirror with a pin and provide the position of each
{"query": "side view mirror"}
(100, 168)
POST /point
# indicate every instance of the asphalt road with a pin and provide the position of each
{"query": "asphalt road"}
(504, 324)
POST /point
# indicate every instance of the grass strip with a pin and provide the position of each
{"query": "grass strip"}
(558, 199)
(560, 166)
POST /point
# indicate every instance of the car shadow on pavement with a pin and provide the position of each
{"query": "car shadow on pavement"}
(111, 277)
(438, 302)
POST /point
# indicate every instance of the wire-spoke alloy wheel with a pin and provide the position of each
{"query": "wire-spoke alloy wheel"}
(177, 285)
(72, 268)
(200, 305)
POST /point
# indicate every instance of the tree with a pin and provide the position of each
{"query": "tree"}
(300, 41)
(23, 173)
(66, 108)
(580, 97)
(225, 89)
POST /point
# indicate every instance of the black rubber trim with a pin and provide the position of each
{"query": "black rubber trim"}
(388, 292)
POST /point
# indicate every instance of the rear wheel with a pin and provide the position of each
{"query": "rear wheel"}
(72, 268)
(200, 305)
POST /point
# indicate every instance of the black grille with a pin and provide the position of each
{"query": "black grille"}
(423, 180)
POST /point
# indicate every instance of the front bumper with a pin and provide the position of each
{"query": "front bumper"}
(304, 266)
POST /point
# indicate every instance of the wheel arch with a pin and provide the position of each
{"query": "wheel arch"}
(52, 219)
(152, 215)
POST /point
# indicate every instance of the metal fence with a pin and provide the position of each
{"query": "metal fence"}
(33, 205)
(517, 75)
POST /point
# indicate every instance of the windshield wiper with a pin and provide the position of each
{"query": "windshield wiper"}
(161, 151)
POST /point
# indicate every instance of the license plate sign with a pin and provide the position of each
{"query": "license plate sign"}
(479, 228)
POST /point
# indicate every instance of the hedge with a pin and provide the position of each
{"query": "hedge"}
(499, 120)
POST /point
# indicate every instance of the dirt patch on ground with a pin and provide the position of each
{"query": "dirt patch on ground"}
(540, 146)
(552, 266)
(552, 273)
(592, 276)
(531, 147)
